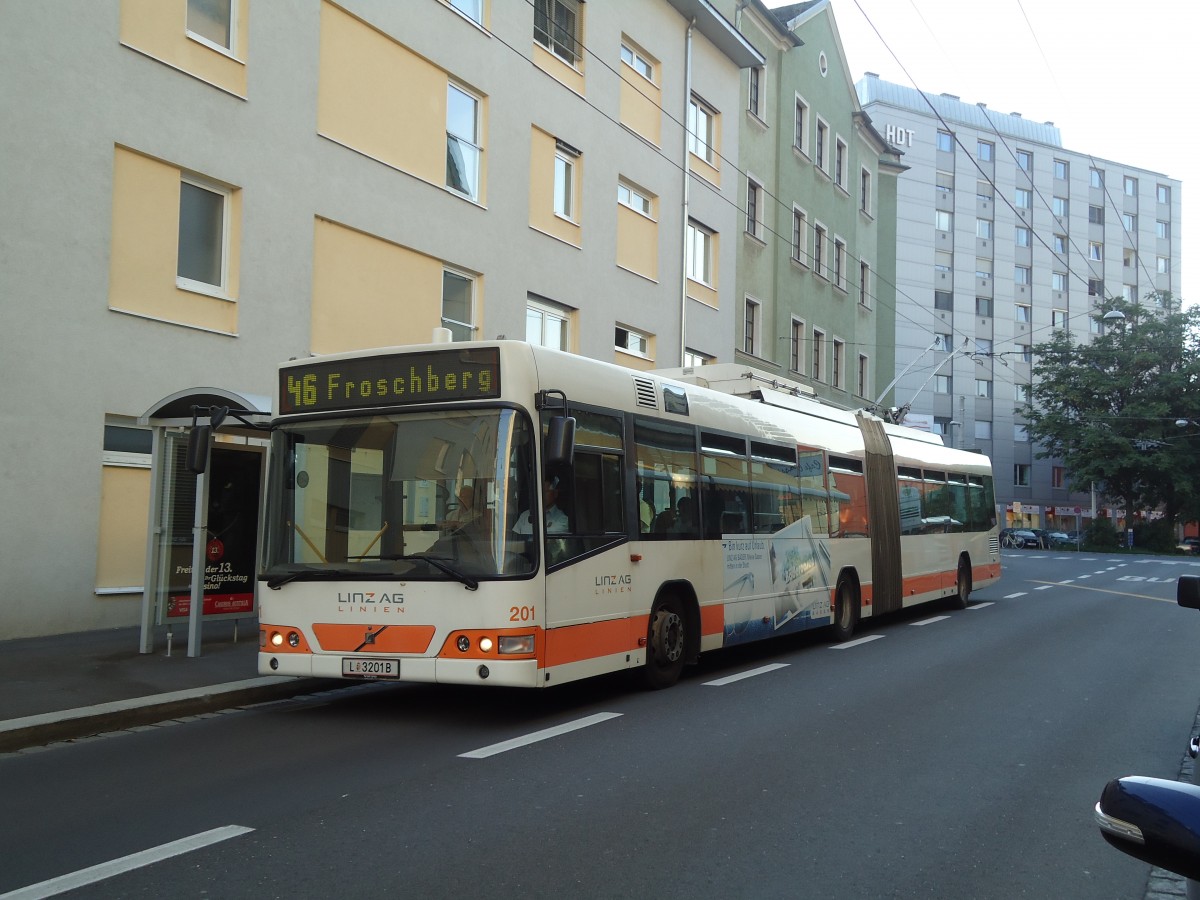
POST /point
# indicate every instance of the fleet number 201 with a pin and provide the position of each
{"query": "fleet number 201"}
(522, 614)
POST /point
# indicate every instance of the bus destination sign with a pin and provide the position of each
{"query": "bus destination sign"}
(433, 376)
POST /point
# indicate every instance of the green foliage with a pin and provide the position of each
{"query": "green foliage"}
(1156, 536)
(1108, 407)
(1101, 535)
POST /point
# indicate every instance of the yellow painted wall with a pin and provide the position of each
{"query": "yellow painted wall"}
(369, 292)
(158, 28)
(121, 548)
(637, 242)
(641, 105)
(382, 99)
(556, 68)
(145, 248)
(541, 191)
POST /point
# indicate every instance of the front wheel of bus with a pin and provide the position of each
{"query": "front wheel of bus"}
(962, 592)
(845, 611)
(666, 642)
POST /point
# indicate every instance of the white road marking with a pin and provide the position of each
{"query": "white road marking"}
(987, 603)
(544, 735)
(730, 679)
(928, 621)
(105, 870)
(1014, 596)
(1044, 587)
(855, 643)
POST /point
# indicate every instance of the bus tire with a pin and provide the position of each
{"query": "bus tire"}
(666, 643)
(962, 593)
(845, 610)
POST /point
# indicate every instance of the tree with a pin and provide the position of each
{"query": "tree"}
(1108, 408)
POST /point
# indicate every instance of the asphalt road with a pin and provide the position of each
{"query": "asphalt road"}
(941, 755)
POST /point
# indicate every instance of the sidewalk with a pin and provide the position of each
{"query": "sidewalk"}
(69, 686)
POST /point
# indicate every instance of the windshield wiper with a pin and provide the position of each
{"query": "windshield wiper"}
(440, 563)
(275, 582)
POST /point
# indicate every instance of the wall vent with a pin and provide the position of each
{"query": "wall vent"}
(644, 393)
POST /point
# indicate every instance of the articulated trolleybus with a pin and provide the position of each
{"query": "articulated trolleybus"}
(499, 513)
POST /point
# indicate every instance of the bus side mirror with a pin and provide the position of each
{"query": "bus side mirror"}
(560, 440)
(199, 440)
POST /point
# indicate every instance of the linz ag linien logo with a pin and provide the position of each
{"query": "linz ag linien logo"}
(614, 584)
(367, 601)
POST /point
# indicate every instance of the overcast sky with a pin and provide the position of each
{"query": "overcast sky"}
(1111, 76)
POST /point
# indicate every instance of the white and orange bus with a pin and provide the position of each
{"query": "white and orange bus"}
(499, 513)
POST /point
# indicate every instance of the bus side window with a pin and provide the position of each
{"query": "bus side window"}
(666, 469)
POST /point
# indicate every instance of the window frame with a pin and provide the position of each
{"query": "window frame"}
(474, 142)
(705, 235)
(193, 285)
(444, 320)
(551, 42)
(231, 50)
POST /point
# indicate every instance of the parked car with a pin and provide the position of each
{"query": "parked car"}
(1018, 537)
(1154, 819)
(1189, 545)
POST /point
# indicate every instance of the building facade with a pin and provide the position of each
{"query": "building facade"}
(816, 253)
(198, 191)
(1004, 236)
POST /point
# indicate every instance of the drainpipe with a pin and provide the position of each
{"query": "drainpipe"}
(687, 181)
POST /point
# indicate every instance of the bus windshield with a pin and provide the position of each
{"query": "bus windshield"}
(428, 495)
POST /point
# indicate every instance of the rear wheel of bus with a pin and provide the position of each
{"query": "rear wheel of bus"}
(962, 585)
(666, 642)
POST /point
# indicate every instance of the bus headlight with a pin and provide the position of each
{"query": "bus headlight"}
(293, 638)
(276, 639)
(464, 643)
(516, 643)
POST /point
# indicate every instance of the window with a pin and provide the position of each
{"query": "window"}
(839, 263)
(1058, 281)
(818, 255)
(699, 253)
(212, 22)
(983, 306)
(864, 191)
(472, 9)
(1023, 312)
(943, 341)
(1021, 236)
(1058, 318)
(983, 388)
(799, 236)
(985, 151)
(983, 228)
(1131, 186)
(1163, 265)
(1096, 251)
(983, 430)
(202, 236)
(1061, 207)
(839, 163)
(864, 364)
(1024, 198)
(796, 356)
(943, 300)
(983, 267)
(1021, 392)
(984, 346)
(1021, 475)
(945, 141)
(636, 61)
(822, 139)
(1095, 287)
(564, 185)
(942, 220)
(555, 27)
(1162, 229)
(1026, 352)
(864, 283)
(837, 372)
(942, 384)
(1129, 222)
(818, 354)
(751, 323)
(1062, 169)
(1096, 215)
(458, 304)
(1060, 243)
(1163, 193)
(627, 195)
(1025, 160)
(693, 358)
(944, 181)
(630, 341)
(1020, 434)
(547, 324)
(943, 261)
(1057, 477)
(1129, 293)
(1129, 258)
(984, 190)
(756, 87)
(800, 138)
(1095, 178)
(1021, 275)
(701, 130)
(753, 204)
(462, 142)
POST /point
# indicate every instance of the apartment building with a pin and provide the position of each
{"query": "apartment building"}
(816, 252)
(1003, 235)
(199, 190)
